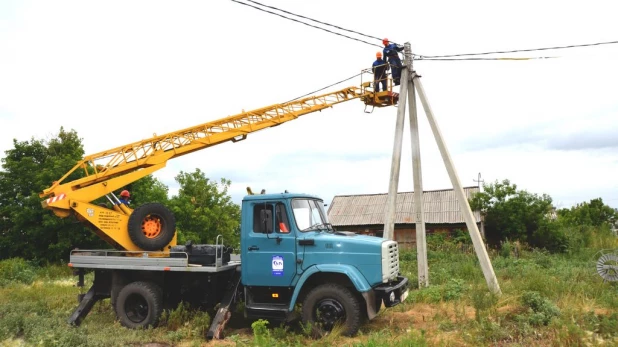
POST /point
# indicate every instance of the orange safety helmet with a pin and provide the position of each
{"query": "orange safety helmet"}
(385, 42)
(125, 193)
(379, 55)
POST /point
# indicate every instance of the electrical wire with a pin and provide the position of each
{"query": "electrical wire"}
(425, 57)
(418, 56)
(301, 22)
(467, 59)
(334, 84)
(314, 20)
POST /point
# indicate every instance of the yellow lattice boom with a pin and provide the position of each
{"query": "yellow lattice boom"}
(107, 171)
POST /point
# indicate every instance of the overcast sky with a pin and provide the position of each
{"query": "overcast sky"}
(119, 71)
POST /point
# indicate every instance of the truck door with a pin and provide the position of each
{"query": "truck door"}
(270, 255)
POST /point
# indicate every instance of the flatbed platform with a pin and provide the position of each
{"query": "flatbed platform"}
(153, 261)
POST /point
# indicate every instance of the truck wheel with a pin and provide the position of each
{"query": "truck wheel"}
(329, 305)
(139, 305)
(152, 226)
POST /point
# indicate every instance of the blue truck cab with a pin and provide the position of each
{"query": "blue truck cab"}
(292, 257)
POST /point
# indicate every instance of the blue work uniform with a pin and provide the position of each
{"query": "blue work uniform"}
(391, 54)
(124, 201)
(379, 68)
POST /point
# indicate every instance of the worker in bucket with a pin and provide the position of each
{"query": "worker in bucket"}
(391, 54)
(124, 197)
(379, 69)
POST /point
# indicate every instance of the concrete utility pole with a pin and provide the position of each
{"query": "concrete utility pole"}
(419, 209)
(411, 82)
(391, 200)
(479, 247)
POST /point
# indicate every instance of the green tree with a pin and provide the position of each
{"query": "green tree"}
(510, 213)
(26, 229)
(203, 210)
(593, 213)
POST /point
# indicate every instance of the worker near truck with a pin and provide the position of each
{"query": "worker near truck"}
(379, 69)
(391, 54)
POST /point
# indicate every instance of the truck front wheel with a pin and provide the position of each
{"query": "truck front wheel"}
(330, 305)
(139, 305)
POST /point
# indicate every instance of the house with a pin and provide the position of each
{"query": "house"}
(364, 214)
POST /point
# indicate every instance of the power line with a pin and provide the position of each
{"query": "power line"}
(315, 91)
(447, 57)
(518, 50)
(307, 24)
(462, 59)
(315, 20)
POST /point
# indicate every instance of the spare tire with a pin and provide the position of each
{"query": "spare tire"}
(152, 226)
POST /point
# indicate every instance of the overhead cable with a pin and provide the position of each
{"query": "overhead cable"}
(301, 22)
(314, 20)
(334, 84)
(416, 56)
(518, 50)
(463, 59)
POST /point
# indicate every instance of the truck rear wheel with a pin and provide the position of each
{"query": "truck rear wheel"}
(139, 305)
(152, 226)
(330, 305)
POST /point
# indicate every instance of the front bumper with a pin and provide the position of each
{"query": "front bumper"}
(392, 293)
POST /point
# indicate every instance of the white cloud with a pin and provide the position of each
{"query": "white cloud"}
(119, 71)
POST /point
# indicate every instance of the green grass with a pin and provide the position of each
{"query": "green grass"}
(547, 299)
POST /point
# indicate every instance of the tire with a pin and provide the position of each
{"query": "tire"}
(139, 305)
(152, 226)
(328, 305)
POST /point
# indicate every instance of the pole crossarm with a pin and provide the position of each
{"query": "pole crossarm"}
(157, 150)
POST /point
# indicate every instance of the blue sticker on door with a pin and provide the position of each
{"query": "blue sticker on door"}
(277, 265)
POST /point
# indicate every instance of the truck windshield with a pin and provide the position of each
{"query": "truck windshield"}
(310, 215)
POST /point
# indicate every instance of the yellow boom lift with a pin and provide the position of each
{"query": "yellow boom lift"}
(151, 227)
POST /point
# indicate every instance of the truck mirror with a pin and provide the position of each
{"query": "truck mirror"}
(267, 220)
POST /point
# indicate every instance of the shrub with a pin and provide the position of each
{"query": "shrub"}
(176, 318)
(184, 316)
(461, 237)
(484, 303)
(550, 236)
(16, 270)
(506, 249)
(541, 310)
(454, 289)
(260, 332)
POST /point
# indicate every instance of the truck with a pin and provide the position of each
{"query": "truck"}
(292, 264)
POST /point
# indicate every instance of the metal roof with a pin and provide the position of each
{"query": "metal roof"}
(440, 206)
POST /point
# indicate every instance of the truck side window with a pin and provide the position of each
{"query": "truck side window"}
(263, 218)
(282, 224)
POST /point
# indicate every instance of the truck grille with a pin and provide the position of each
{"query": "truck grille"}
(390, 261)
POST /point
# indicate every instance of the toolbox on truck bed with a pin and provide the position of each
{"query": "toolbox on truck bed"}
(203, 254)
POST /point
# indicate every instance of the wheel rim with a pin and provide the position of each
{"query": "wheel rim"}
(328, 312)
(152, 226)
(136, 308)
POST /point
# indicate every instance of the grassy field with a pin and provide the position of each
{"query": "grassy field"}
(547, 300)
